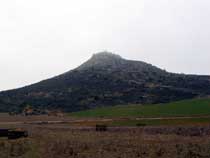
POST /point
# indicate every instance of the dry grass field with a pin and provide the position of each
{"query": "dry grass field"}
(80, 140)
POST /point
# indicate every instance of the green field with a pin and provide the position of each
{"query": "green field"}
(194, 107)
(167, 122)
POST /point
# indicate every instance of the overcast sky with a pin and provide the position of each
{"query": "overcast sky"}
(43, 38)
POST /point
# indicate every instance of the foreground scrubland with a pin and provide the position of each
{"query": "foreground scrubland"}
(142, 142)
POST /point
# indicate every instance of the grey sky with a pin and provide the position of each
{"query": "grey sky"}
(43, 38)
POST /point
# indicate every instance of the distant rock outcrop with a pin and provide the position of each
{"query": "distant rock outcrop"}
(102, 60)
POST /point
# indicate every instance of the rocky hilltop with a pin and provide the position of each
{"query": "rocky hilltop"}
(106, 80)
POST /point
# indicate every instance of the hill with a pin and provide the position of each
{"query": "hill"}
(106, 80)
(186, 108)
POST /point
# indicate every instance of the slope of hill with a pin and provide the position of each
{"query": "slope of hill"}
(105, 80)
(186, 108)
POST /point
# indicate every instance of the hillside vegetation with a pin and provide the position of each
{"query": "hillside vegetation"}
(194, 107)
(106, 79)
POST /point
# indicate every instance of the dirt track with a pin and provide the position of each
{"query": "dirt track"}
(40, 120)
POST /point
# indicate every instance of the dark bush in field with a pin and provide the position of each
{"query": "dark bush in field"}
(140, 124)
(101, 128)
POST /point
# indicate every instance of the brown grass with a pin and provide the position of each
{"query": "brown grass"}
(78, 143)
(67, 141)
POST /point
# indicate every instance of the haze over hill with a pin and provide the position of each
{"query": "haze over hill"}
(105, 80)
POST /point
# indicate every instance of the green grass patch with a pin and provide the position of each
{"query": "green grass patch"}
(168, 122)
(194, 107)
